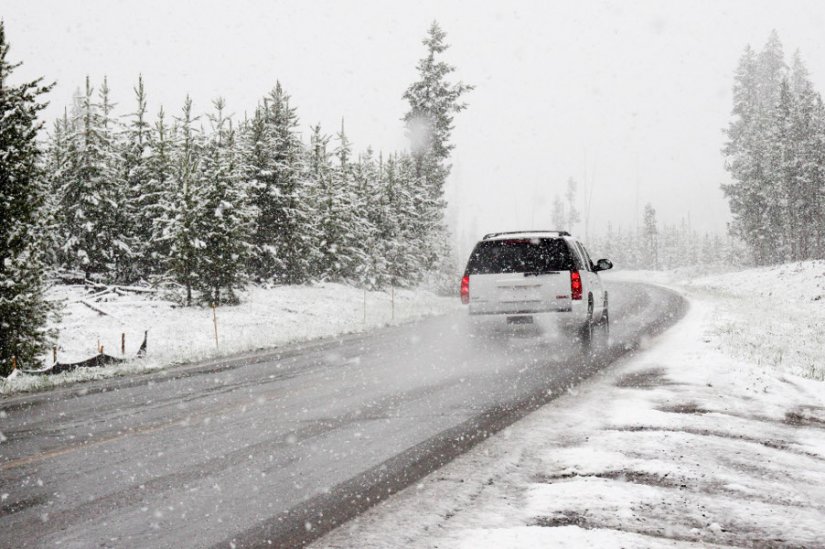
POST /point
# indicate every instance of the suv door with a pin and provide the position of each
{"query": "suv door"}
(595, 282)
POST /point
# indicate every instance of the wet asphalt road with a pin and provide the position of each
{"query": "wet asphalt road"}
(278, 447)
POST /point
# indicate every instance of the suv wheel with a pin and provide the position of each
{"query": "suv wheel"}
(605, 321)
(586, 331)
(604, 329)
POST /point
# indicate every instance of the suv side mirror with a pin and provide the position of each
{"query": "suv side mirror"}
(603, 265)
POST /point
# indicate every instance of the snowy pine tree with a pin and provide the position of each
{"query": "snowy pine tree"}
(119, 223)
(372, 272)
(808, 136)
(348, 208)
(183, 207)
(558, 215)
(775, 156)
(744, 159)
(23, 309)
(573, 216)
(651, 238)
(397, 222)
(224, 220)
(59, 154)
(329, 227)
(91, 193)
(433, 102)
(159, 196)
(140, 206)
(259, 173)
(281, 235)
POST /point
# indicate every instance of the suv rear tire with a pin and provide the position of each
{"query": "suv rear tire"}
(586, 331)
(604, 329)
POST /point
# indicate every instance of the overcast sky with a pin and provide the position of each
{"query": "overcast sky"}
(631, 95)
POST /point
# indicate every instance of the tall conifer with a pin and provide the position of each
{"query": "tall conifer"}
(23, 309)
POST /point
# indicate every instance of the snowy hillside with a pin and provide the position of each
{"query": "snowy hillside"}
(704, 438)
(266, 318)
(772, 316)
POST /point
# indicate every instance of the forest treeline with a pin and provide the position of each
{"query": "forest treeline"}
(207, 203)
(211, 202)
(653, 246)
(775, 154)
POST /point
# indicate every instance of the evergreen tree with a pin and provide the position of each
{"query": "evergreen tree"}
(59, 154)
(433, 102)
(808, 122)
(399, 223)
(558, 215)
(158, 202)
(185, 206)
(90, 193)
(372, 272)
(282, 235)
(224, 219)
(355, 226)
(141, 205)
(775, 156)
(744, 152)
(119, 222)
(572, 213)
(770, 71)
(290, 231)
(780, 186)
(23, 309)
(325, 254)
(263, 194)
(651, 236)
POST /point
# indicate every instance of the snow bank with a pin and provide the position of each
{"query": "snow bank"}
(771, 316)
(267, 317)
(690, 443)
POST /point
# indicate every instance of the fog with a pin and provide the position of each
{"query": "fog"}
(631, 99)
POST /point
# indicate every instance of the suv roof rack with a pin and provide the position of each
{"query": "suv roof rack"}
(493, 235)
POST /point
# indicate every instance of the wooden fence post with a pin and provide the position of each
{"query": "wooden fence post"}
(215, 322)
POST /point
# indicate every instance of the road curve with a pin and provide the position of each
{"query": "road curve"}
(277, 448)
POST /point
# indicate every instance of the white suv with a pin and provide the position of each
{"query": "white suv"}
(519, 275)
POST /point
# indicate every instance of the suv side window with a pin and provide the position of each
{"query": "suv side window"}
(586, 256)
(578, 258)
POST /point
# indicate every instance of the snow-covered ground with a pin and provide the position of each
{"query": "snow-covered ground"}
(267, 317)
(713, 435)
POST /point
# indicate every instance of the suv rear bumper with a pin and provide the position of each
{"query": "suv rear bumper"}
(570, 314)
(568, 307)
(518, 311)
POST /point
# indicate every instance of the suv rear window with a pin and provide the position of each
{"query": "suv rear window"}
(538, 255)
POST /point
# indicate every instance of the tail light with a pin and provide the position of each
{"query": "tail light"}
(465, 289)
(575, 285)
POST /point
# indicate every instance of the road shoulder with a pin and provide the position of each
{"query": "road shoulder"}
(682, 444)
(268, 319)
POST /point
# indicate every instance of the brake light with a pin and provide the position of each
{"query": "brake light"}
(575, 285)
(465, 289)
